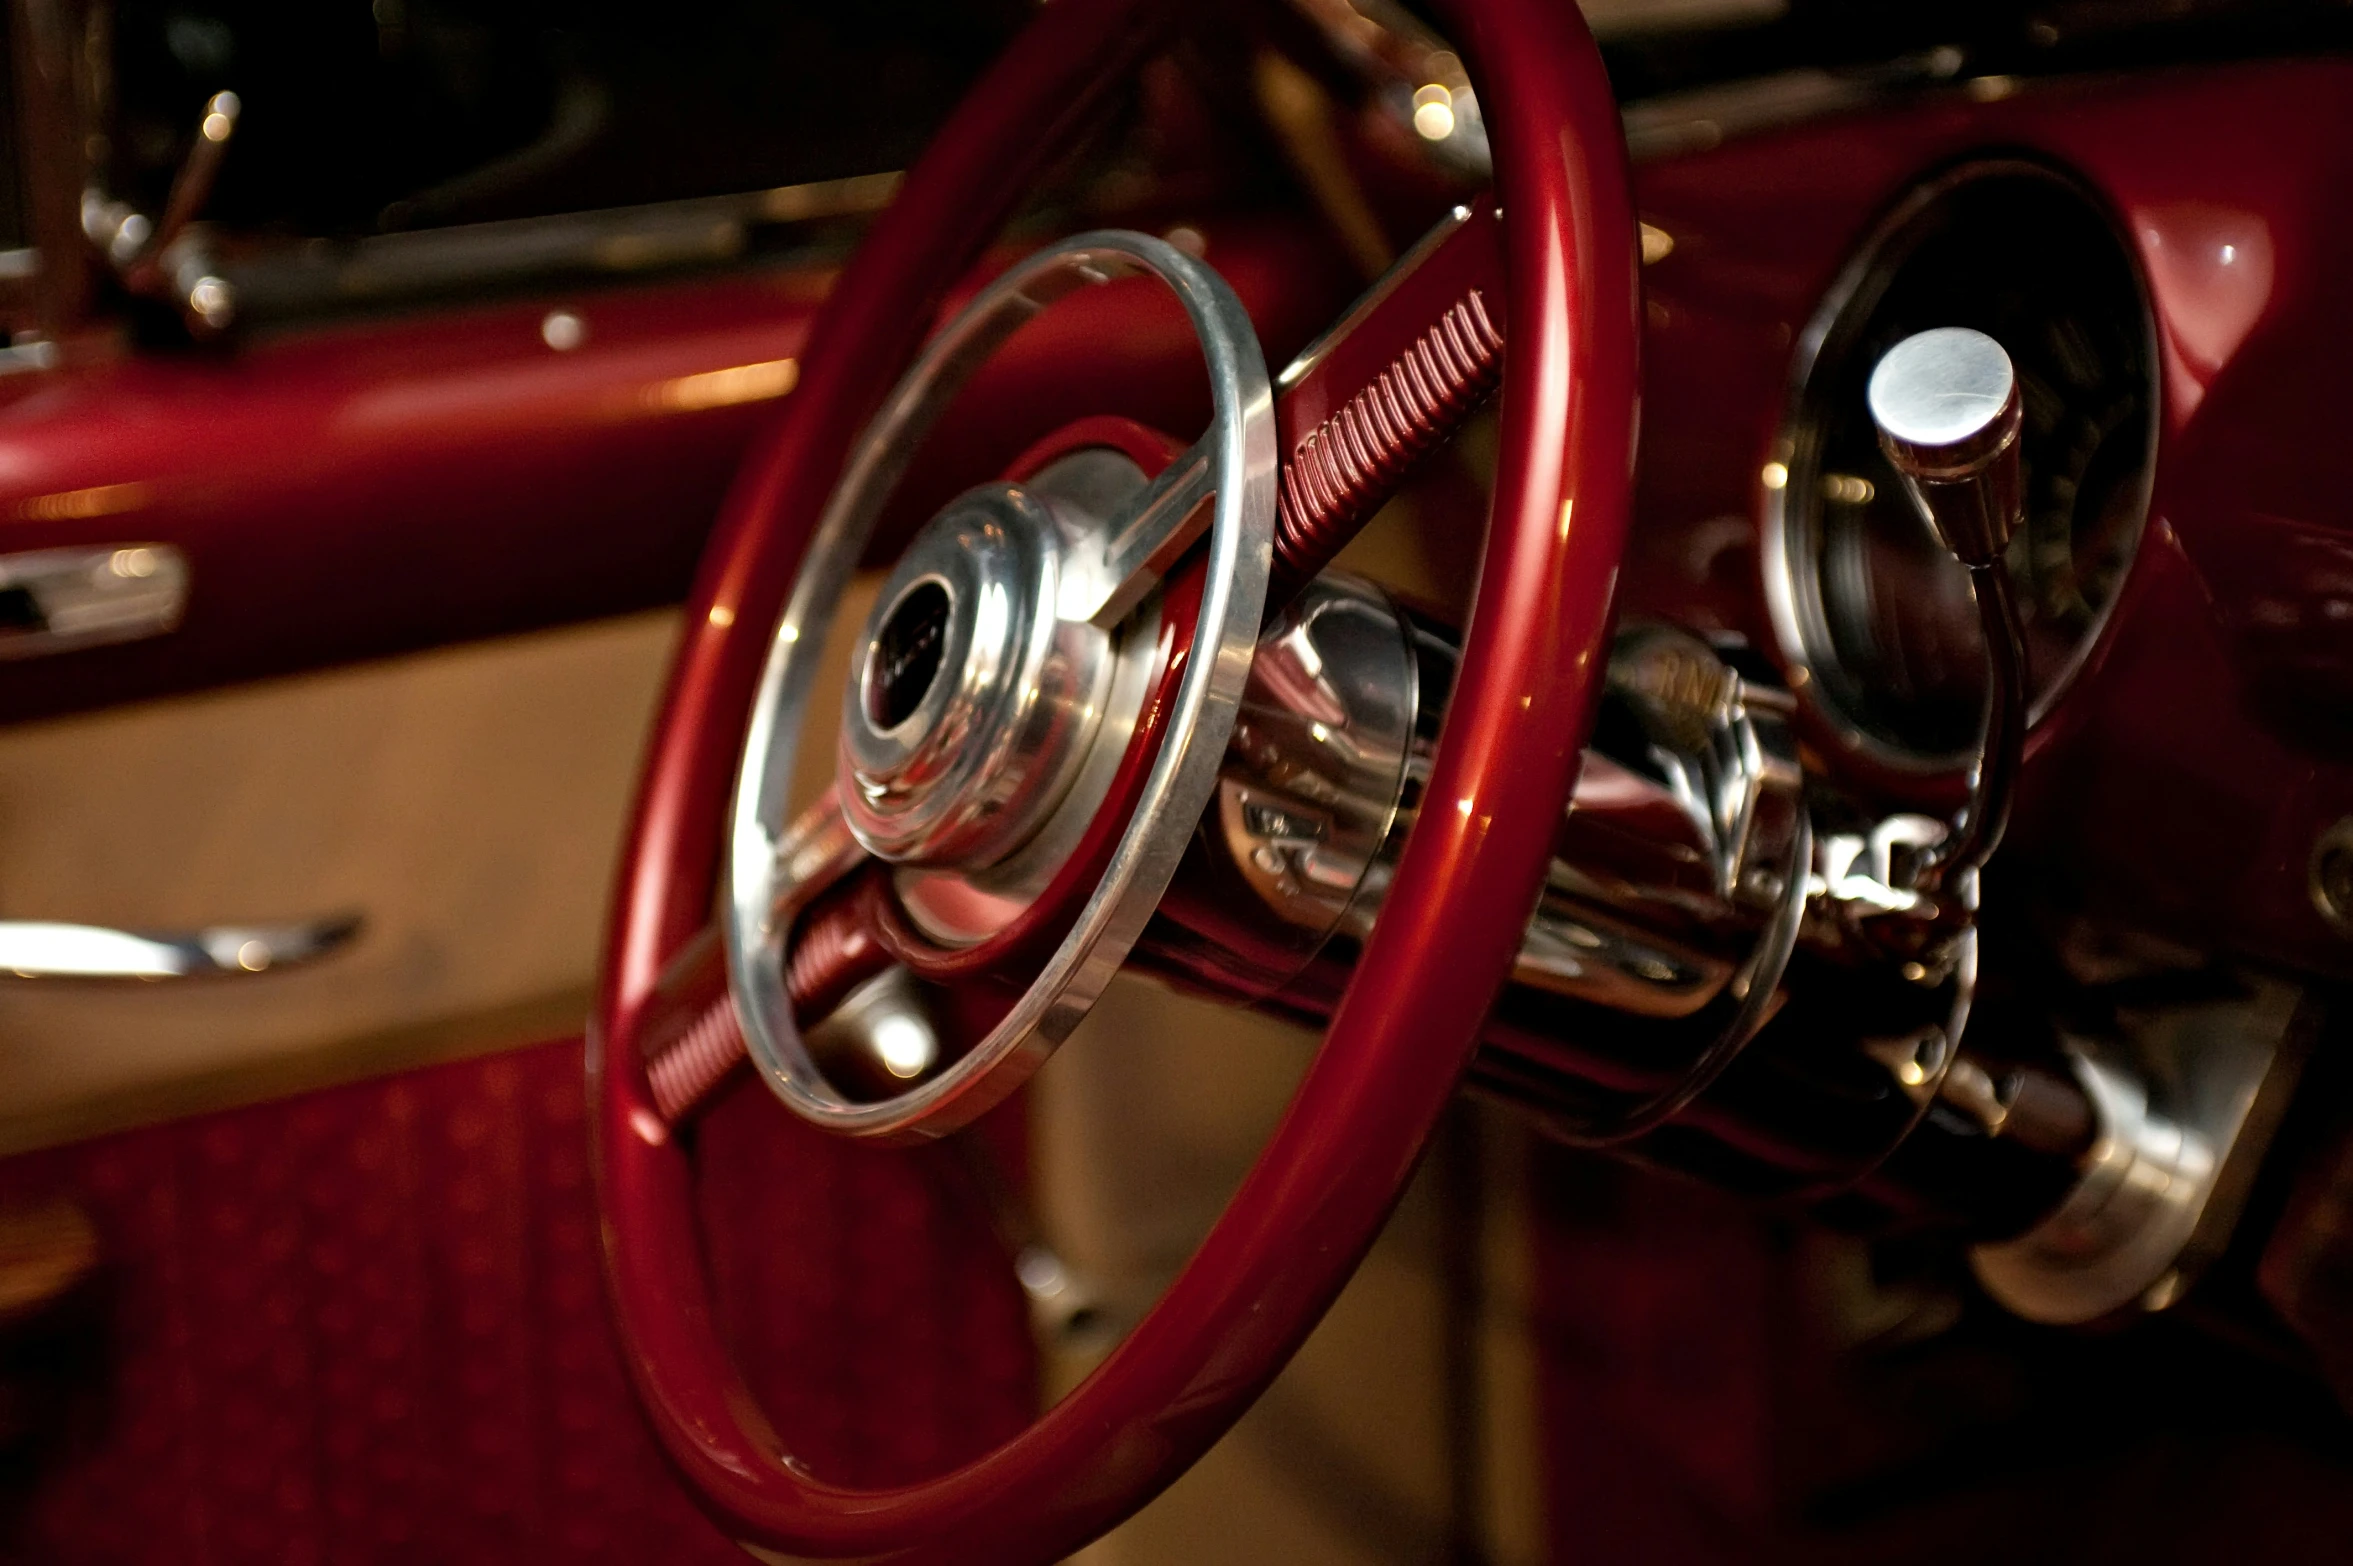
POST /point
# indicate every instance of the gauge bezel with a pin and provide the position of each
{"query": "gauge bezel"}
(1793, 589)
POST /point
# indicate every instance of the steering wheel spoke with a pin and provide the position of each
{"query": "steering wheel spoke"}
(816, 850)
(1144, 542)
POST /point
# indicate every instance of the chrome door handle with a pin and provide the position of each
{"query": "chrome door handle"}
(56, 600)
(37, 949)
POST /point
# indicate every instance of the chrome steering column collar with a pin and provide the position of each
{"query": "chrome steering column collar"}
(1677, 892)
(2145, 1182)
(1690, 908)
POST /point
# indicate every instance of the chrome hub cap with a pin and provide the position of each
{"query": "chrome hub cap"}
(971, 701)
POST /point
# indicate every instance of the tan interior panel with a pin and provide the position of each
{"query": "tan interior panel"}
(466, 804)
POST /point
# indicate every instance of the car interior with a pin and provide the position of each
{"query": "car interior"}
(1328, 781)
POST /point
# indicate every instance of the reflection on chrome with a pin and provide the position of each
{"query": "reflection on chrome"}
(1681, 865)
(881, 1024)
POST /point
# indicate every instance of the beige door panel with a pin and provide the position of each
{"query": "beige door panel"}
(466, 803)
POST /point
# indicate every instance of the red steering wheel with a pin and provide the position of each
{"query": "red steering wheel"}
(1471, 868)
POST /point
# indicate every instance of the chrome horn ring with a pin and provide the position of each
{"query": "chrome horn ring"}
(1099, 581)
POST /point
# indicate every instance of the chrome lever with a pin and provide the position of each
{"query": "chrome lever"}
(39, 949)
(1946, 403)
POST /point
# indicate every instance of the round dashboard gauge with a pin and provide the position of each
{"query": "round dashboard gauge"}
(1874, 619)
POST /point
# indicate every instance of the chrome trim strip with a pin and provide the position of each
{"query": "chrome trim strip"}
(618, 241)
(1707, 117)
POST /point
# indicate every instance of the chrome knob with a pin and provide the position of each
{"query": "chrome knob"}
(1946, 403)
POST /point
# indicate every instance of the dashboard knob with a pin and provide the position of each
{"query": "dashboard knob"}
(1946, 403)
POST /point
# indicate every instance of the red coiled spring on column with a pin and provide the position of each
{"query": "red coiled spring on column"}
(834, 952)
(1341, 471)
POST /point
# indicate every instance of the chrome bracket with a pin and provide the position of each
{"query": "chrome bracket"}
(2182, 1118)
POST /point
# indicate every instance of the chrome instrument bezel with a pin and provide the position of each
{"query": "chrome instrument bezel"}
(1792, 590)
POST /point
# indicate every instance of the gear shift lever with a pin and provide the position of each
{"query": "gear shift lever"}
(1946, 403)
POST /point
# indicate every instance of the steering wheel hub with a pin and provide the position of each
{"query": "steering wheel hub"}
(972, 703)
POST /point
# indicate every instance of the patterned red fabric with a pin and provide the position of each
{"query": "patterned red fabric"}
(870, 1304)
(368, 1325)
